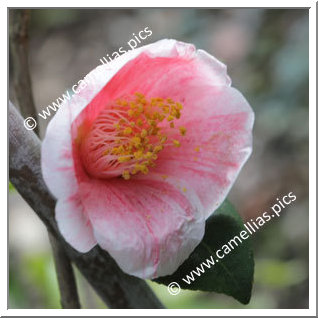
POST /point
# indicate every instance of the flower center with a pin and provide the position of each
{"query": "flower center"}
(126, 138)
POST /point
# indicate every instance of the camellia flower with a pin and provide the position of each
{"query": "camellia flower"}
(143, 155)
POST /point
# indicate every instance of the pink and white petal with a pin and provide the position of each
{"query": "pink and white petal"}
(147, 226)
(215, 70)
(164, 68)
(74, 226)
(217, 144)
(56, 156)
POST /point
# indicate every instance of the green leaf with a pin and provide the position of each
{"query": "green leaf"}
(231, 275)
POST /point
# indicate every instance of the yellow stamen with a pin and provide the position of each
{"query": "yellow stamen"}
(127, 131)
(136, 141)
(117, 126)
(176, 143)
(157, 149)
(126, 175)
(138, 154)
(123, 159)
(182, 130)
(141, 132)
(163, 139)
(179, 106)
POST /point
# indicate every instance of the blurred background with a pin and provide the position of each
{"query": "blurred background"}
(266, 51)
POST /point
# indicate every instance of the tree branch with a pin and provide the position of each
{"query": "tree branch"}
(19, 24)
(116, 288)
(65, 276)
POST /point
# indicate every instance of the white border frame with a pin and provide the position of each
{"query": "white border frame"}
(312, 167)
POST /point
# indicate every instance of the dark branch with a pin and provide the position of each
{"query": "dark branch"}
(19, 24)
(116, 288)
(65, 276)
